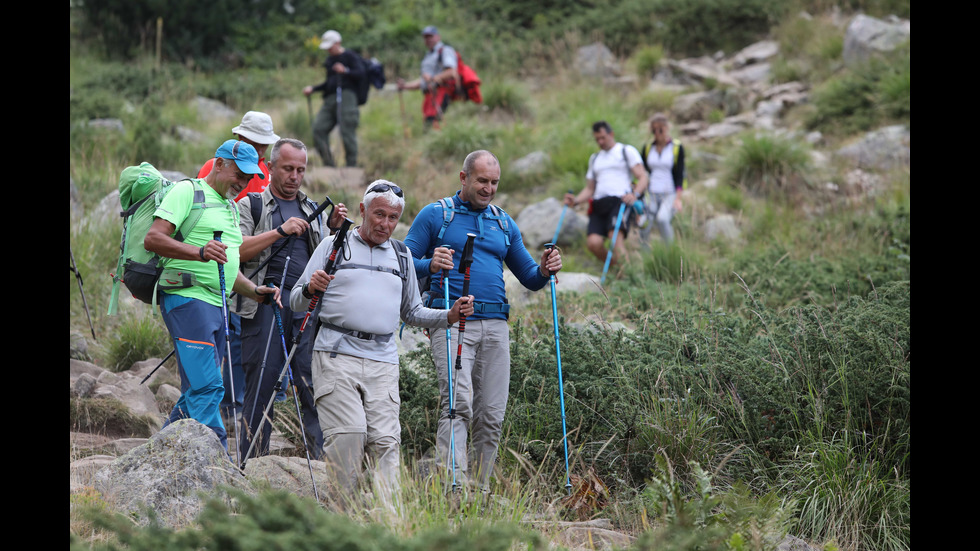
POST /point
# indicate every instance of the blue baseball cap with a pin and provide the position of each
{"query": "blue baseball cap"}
(244, 156)
(431, 29)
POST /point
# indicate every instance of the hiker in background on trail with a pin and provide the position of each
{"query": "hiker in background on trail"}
(664, 161)
(193, 314)
(481, 386)
(440, 75)
(255, 130)
(355, 357)
(268, 219)
(609, 183)
(345, 70)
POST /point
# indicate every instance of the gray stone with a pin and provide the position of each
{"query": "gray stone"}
(881, 149)
(209, 109)
(83, 386)
(288, 473)
(126, 388)
(751, 74)
(866, 36)
(539, 221)
(123, 446)
(81, 473)
(596, 60)
(168, 393)
(722, 226)
(533, 163)
(168, 474)
(185, 134)
(755, 53)
(108, 124)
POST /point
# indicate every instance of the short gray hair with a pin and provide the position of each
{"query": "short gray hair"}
(389, 195)
(274, 156)
(475, 156)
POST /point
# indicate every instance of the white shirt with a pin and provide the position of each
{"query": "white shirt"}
(613, 178)
(661, 164)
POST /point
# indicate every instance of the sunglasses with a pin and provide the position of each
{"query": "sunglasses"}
(381, 188)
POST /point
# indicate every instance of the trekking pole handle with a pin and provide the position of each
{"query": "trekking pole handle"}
(550, 247)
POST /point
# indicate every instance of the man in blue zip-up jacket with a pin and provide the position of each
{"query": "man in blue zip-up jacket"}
(481, 386)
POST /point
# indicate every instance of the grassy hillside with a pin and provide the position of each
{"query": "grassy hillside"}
(761, 385)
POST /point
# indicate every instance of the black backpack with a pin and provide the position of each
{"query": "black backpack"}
(374, 75)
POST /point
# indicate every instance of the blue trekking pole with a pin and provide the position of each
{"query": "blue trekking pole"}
(561, 384)
(231, 375)
(265, 358)
(560, 220)
(452, 390)
(612, 245)
(299, 413)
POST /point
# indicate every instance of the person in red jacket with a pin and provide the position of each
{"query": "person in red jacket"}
(256, 131)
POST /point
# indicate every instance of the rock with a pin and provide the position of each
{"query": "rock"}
(108, 124)
(77, 367)
(288, 473)
(83, 386)
(866, 36)
(755, 53)
(81, 473)
(539, 221)
(168, 393)
(533, 163)
(793, 543)
(126, 388)
(123, 446)
(881, 149)
(209, 109)
(77, 345)
(185, 134)
(596, 60)
(758, 72)
(721, 226)
(702, 69)
(700, 105)
(168, 474)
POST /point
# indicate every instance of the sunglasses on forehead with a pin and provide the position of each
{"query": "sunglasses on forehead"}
(381, 188)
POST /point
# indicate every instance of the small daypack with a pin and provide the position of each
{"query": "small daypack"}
(468, 86)
(374, 75)
(141, 190)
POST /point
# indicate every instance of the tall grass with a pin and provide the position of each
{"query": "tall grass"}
(768, 165)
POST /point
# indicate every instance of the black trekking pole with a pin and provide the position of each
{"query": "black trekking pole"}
(309, 110)
(338, 244)
(299, 413)
(309, 220)
(265, 359)
(464, 268)
(449, 372)
(561, 384)
(231, 373)
(78, 278)
(159, 365)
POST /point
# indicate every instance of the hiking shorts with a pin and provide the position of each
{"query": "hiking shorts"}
(602, 219)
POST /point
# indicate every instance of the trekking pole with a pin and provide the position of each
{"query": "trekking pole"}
(231, 374)
(406, 131)
(309, 109)
(340, 131)
(452, 389)
(561, 384)
(309, 220)
(265, 356)
(159, 365)
(78, 278)
(299, 413)
(561, 219)
(338, 243)
(464, 268)
(612, 244)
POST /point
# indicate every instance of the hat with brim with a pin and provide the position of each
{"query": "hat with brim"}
(430, 30)
(256, 126)
(328, 39)
(244, 156)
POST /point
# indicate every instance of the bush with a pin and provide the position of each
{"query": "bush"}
(106, 416)
(459, 138)
(139, 337)
(647, 60)
(768, 165)
(507, 96)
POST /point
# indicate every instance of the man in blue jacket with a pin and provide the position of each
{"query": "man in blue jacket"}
(436, 240)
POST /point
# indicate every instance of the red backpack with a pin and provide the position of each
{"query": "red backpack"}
(468, 86)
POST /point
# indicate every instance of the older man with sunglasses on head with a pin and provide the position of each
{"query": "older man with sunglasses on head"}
(355, 358)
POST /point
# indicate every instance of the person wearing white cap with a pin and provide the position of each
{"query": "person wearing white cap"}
(344, 72)
(439, 67)
(256, 131)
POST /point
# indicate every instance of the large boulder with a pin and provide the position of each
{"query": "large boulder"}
(539, 221)
(881, 149)
(169, 474)
(596, 60)
(866, 36)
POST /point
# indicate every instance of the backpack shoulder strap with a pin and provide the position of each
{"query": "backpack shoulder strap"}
(448, 212)
(646, 152)
(501, 217)
(255, 205)
(404, 259)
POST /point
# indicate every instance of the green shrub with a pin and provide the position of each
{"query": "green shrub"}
(657, 101)
(667, 263)
(506, 96)
(106, 416)
(139, 337)
(459, 138)
(768, 165)
(647, 60)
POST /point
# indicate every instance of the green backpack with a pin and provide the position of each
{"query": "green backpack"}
(141, 189)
